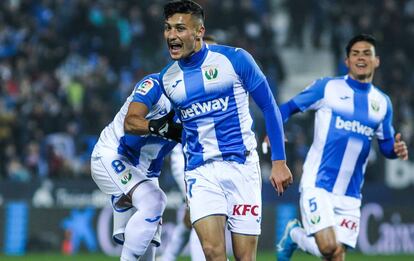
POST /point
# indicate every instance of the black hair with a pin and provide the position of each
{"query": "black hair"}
(360, 38)
(183, 7)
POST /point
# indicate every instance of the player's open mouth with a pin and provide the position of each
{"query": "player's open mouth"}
(361, 65)
(175, 47)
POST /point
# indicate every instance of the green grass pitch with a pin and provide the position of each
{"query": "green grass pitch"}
(261, 257)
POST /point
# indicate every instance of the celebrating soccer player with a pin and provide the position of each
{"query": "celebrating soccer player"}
(127, 161)
(350, 111)
(209, 88)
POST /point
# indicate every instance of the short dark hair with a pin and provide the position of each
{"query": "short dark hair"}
(360, 38)
(183, 7)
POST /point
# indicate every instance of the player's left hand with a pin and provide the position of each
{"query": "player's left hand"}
(281, 177)
(166, 127)
(400, 148)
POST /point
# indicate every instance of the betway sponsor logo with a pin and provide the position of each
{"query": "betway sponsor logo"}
(220, 104)
(353, 126)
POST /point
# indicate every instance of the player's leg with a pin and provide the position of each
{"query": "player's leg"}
(327, 243)
(210, 231)
(150, 202)
(318, 235)
(243, 186)
(295, 236)
(347, 218)
(244, 246)
(114, 175)
(122, 212)
(208, 209)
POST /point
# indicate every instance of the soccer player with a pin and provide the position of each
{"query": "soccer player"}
(126, 162)
(209, 88)
(350, 111)
(182, 231)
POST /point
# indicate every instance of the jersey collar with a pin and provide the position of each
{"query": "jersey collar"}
(362, 86)
(195, 59)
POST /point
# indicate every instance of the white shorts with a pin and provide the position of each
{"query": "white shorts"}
(227, 188)
(113, 173)
(321, 209)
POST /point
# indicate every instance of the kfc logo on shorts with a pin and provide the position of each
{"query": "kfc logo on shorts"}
(243, 210)
(349, 224)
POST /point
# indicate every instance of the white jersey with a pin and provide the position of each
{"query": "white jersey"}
(210, 92)
(348, 115)
(145, 152)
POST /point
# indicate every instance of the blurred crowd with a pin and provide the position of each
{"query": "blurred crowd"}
(392, 23)
(66, 66)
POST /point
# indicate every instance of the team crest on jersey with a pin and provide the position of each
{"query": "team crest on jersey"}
(210, 72)
(315, 219)
(375, 105)
(125, 177)
(145, 87)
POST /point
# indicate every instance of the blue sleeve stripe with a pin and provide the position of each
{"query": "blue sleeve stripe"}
(387, 148)
(287, 109)
(244, 65)
(312, 94)
(274, 127)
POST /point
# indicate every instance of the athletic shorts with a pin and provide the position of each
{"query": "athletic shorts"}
(113, 173)
(227, 188)
(321, 209)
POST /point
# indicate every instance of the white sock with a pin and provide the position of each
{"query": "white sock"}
(306, 243)
(196, 250)
(150, 202)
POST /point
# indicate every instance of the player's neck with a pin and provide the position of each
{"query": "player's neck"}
(196, 58)
(357, 84)
(364, 79)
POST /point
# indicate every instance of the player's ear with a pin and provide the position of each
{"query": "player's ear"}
(347, 61)
(200, 32)
(377, 61)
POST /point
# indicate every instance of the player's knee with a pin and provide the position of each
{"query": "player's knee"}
(213, 252)
(150, 198)
(158, 199)
(328, 249)
(161, 199)
(246, 256)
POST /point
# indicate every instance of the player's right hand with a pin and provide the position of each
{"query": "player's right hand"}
(400, 148)
(281, 177)
(166, 127)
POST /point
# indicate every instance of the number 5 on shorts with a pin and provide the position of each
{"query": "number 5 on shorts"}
(312, 204)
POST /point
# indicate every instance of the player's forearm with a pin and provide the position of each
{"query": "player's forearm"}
(274, 129)
(136, 125)
(387, 148)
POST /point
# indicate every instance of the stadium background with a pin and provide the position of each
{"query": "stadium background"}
(66, 67)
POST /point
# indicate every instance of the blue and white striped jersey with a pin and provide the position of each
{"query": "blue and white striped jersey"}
(348, 115)
(209, 91)
(146, 152)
